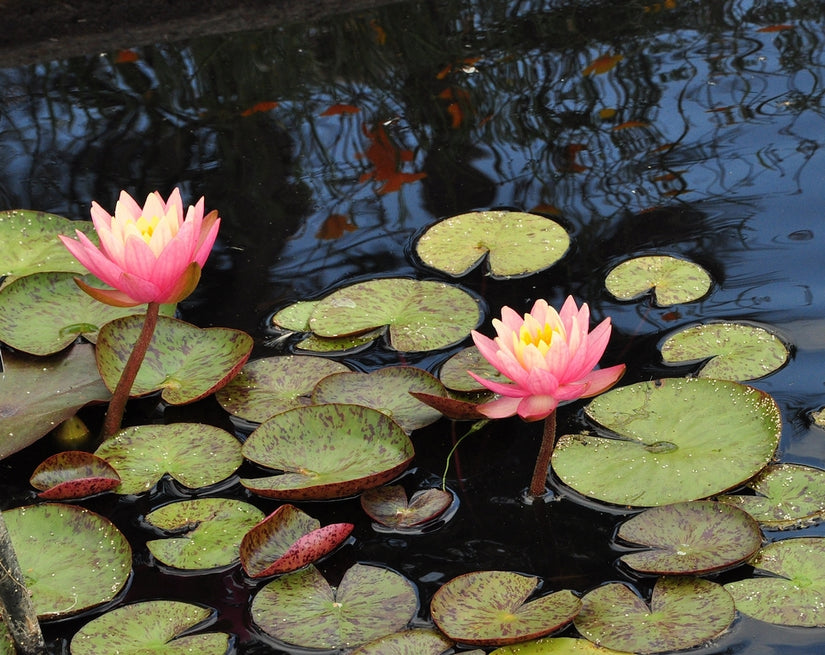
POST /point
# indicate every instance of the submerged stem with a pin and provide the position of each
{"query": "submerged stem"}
(548, 442)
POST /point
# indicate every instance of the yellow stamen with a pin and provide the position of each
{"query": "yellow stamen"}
(541, 336)
(147, 227)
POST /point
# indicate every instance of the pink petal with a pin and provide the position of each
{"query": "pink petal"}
(499, 408)
(541, 383)
(487, 347)
(509, 390)
(137, 288)
(602, 379)
(587, 358)
(208, 233)
(535, 408)
(95, 261)
(511, 319)
(127, 207)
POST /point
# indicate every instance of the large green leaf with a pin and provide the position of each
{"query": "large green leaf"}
(556, 646)
(686, 438)
(515, 243)
(416, 641)
(673, 280)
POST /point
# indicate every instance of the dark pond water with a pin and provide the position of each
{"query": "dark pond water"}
(700, 133)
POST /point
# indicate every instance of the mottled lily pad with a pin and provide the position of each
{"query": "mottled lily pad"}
(208, 532)
(73, 474)
(295, 318)
(490, 608)
(417, 641)
(735, 351)
(186, 362)
(389, 506)
(515, 243)
(793, 591)
(556, 646)
(687, 438)
(72, 559)
(420, 314)
(194, 454)
(287, 540)
(154, 626)
(690, 538)
(454, 376)
(673, 280)
(265, 387)
(684, 612)
(302, 609)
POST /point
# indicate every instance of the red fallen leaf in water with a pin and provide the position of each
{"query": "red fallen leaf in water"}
(776, 28)
(335, 110)
(386, 158)
(628, 125)
(569, 158)
(602, 64)
(73, 474)
(334, 227)
(459, 97)
(265, 105)
(544, 208)
(126, 57)
(380, 34)
(671, 316)
(667, 177)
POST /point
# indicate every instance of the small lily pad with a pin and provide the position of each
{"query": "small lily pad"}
(673, 280)
(690, 538)
(302, 609)
(454, 376)
(684, 612)
(488, 608)
(154, 626)
(73, 474)
(556, 646)
(735, 351)
(186, 362)
(287, 540)
(210, 532)
(416, 641)
(515, 243)
(327, 451)
(295, 318)
(389, 506)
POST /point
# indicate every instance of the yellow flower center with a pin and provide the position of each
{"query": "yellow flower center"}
(146, 228)
(541, 336)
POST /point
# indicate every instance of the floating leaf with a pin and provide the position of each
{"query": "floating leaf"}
(454, 376)
(154, 626)
(327, 451)
(454, 408)
(72, 559)
(73, 474)
(683, 613)
(388, 505)
(186, 362)
(673, 280)
(556, 646)
(295, 318)
(301, 608)
(211, 529)
(696, 537)
(417, 641)
(686, 438)
(196, 455)
(735, 351)
(514, 243)
(421, 315)
(488, 608)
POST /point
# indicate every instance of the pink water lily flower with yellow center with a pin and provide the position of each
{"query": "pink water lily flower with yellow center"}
(149, 254)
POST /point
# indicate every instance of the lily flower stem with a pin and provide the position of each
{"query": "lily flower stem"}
(114, 415)
(538, 485)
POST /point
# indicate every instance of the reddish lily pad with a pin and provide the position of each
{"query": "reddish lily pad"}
(673, 280)
(287, 540)
(690, 538)
(73, 474)
(327, 451)
(185, 362)
(196, 455)
(454, 375)
(389, 506)
(455, 408)
(416, 641)
(302, 609)
(684, 612)
(556, 646)
(72, 559)
(154, 626)
(488, 608)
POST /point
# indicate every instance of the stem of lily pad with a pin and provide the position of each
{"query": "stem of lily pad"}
(548, 441)
(114, 415)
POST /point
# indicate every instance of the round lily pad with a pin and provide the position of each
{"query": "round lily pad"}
(389, 506)
(208, 532)
(556, 646)
(454, 376)
(514, 243)
(72, 559)
(735, 351)
(690, 538)
(302, 609)
(73, 474)
(684, 612)
(196, 455)
(417, 641)
(295, 317)
(488, 608)
(420, 314)
(155, 626)
(327, 451)
(673, 280)
(687, 438)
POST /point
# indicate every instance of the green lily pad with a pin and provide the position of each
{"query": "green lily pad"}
(389, 506)
(787, 496)
(421, 314)
(735, 351)
(454, 376)
(73, 474)
(687, 438)
(194, 454)
(295, 318)
(72, 559)
(154, 626)
(515, 243)
(683, 613)
(302, 609)
(387, 390)
(556, 646)
(690, 538)
(673, 280)
(327, 451)
(416, 641)
(796, 596)
(186, 362)
(287, 540)
(39, 393)
(210, 532)
(268, 386)
(488, 608)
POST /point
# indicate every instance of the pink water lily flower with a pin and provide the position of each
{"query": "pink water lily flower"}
(550, 356)
(147, 254)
